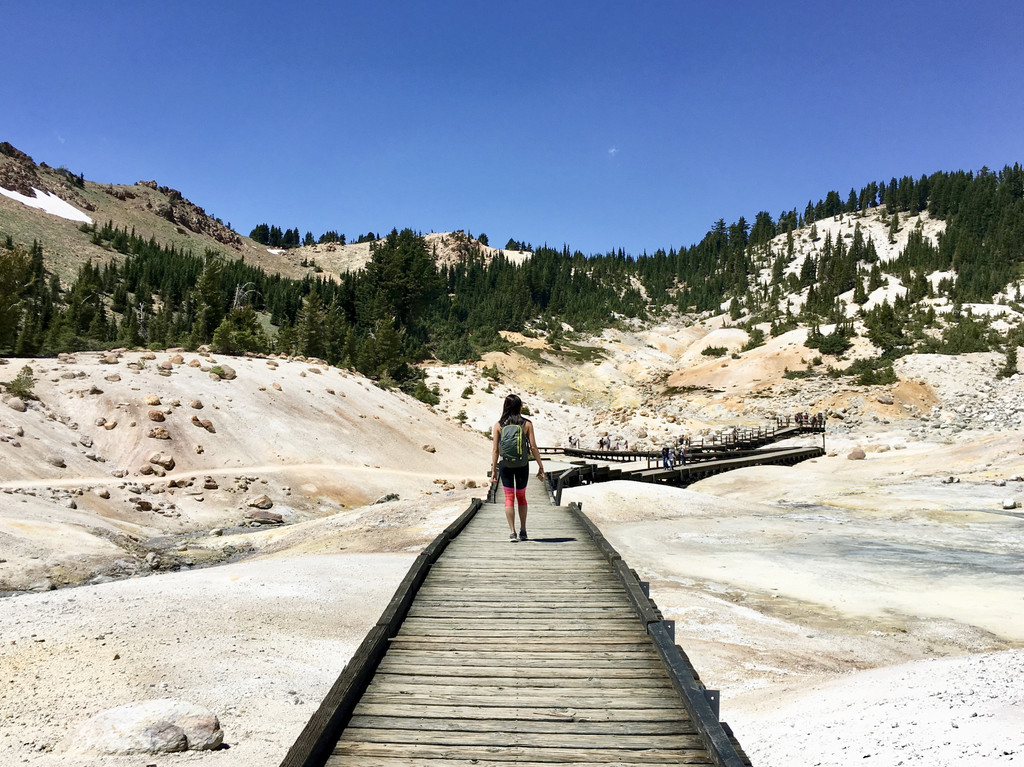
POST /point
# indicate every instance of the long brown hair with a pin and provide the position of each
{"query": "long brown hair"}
(511, 411)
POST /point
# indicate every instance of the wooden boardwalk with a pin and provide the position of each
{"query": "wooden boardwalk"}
(529, 653)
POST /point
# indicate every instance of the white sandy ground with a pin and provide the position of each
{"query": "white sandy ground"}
(847, 610)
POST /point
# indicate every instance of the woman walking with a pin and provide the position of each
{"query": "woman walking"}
(513, 441)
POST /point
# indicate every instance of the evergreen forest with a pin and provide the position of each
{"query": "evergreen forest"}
(405, 307)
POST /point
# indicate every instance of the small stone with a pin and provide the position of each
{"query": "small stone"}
(857, 454)
(56, 460)
(430, 448)
(110, 425)
(101, 492)
(227, 373)
(262, 502)
(113, 378)
(157, 416)
(1009, 503)
(152, 400)
(276, 386)
(165, 367)
(158, 433)
(209, 483)
(196, 404)
(85, 441)
(885, 399)
(177, 359)
(17, 403)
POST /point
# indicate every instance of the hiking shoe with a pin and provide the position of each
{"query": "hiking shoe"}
(522, 534)
(513, 538)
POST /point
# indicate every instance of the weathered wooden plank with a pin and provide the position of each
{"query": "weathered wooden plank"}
(484, 679)
(384, 690)
(399, 761)
(463, 724)
(516, 753)
(583, 661)
(511, 738)
(564, 716)
(506, 669)
(540, 643)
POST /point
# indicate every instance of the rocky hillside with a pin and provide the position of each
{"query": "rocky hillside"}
(124, 462)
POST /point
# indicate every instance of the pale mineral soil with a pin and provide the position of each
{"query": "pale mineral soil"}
(846, 609)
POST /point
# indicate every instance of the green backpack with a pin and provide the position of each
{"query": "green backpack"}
(513, 446)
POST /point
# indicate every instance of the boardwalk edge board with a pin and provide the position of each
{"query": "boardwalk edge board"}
(684, 677)
(317, 739)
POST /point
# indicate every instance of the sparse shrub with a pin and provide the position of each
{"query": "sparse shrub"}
(492, 372)
(467, 392)
(756, 338)
(217, 369)
(461, 416)
(21, 385)
(423, 394)
(525, 410)
(714, 351)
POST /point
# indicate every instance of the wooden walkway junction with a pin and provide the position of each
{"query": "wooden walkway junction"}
(542, 652)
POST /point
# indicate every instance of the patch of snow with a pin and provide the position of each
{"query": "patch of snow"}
(275, 251)
(49, 203)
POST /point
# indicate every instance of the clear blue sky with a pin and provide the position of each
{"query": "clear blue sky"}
(596, 124)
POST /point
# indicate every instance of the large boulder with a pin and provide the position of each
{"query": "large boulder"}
(154, 727)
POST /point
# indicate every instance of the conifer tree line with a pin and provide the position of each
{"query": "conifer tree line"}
(404, 307)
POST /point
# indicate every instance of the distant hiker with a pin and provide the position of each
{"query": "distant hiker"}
(682, 456)
(664, 457)
(513, 441)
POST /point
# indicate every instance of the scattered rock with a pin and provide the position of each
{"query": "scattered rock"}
(158, 433)
(101, 492)
(196, 404)
(1009, 503)
(161, 459)
(142, 505)
(262, 517)
(885, 399)
(177, 359)
(387, 498)
(152, 400)
(165, 366)
(227, 373)
(1000, 483)
(108, 359)
(157, 416)
(262, 502)
(209, 483)
(430, 448)
(56, 460)
(85, 441)
(153, 727)
(17, 403)
(276, 386)
(110, 425)
(857, 454)
(113, 378)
